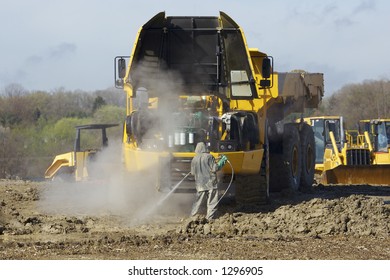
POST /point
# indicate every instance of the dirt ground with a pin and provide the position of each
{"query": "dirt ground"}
(329, 223)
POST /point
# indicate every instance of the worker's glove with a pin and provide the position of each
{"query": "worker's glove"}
(222, 161)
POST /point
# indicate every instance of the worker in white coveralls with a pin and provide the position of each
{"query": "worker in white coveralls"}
(204, 167)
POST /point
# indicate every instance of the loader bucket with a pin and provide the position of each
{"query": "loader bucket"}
(357, 175)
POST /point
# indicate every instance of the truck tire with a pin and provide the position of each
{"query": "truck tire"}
(285, 161)
(275, 165)
(308, 157)
(251, 190)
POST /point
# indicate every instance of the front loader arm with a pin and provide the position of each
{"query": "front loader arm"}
(338, 156)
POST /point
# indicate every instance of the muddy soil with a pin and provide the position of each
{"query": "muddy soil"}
(332, 222)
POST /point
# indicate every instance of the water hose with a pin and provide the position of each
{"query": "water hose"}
(230, 183)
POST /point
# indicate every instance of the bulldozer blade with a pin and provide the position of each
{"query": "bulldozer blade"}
(357, 175)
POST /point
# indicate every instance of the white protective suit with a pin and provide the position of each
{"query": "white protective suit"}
(204, 168)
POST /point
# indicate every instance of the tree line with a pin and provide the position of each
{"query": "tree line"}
(359, 101)
(37, 125)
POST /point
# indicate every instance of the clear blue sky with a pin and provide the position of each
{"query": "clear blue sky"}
(48, 44)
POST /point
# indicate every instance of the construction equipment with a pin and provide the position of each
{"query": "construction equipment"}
(379, 135)
(76, 165)
(350, 156)
(192, 79)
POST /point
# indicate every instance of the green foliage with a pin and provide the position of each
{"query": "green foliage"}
(110, 114)
(98, 103)
(64, 132)
(36, 126)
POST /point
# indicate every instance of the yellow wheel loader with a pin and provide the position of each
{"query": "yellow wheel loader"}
(349, 156)
(191, 79)
(76, 165)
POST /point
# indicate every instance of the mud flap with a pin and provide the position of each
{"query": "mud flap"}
(357, 175)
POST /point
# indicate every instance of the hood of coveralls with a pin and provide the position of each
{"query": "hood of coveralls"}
(201, 148)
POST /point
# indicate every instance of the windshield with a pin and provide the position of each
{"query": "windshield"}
(318, 129)
(382, 137)
(388, 132)
(334, 126)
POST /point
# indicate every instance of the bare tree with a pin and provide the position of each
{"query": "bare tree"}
(367, 100)
(13, 90)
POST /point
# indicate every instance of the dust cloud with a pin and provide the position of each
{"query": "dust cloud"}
(114, 190)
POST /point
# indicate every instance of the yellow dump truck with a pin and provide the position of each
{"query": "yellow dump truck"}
(350, 156)
(191, 79)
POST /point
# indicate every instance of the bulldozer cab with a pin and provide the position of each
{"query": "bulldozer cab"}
(382, 139)
(318, 129)
(333, 126)
(86, 151)
(322, 127)
(73, 166)
(379, 133)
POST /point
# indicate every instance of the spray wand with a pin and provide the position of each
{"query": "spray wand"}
(173, 189)
(166, 196)
(181, 181)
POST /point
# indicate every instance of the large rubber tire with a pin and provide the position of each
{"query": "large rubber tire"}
(285, 162)
(275, 165)
(308, 157)
(251, 189)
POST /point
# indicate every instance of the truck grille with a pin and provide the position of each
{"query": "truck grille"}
(180, 168)
(358, 157)
(172, 172)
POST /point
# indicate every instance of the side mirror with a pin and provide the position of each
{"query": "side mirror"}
(266, 68)
(265, 83)
(121, 68)
(266, 71)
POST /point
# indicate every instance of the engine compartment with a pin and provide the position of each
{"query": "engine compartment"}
(180, 125)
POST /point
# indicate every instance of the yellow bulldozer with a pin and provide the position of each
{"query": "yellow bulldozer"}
(354, 157)
(76, 165)
(191, 79)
